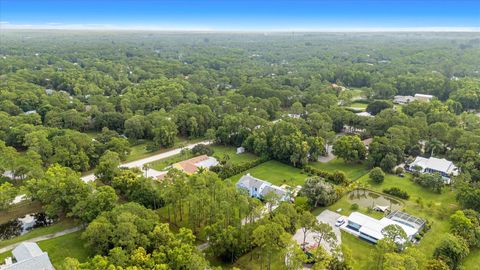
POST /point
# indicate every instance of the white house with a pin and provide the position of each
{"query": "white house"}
(403, 99)
(423, 97)
(442, 166)
(364, 114)
(370, 229)
(258, 188)
(27, 256)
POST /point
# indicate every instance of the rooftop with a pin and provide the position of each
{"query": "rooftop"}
(28, 256)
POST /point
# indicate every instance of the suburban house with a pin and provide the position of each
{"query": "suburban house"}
(370, 229)
(442, 166)
(403, 99)
(258, 188)
(364, 114)
(191, 166)
(422, 97)
(27, 256)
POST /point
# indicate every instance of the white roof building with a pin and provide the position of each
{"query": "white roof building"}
(370, 229)
(28, 256)
(423, 97)
(442, 166)
(364, 114)
(403, 99)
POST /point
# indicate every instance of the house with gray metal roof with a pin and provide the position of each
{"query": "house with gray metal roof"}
(27, 256)
(259, 188)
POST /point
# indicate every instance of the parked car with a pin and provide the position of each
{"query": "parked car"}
(340, 221)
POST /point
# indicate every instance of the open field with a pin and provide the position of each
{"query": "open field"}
(57, 227)
(472, 261)
(221, 151)
(276, 173)
(353, 171)
(69, 245)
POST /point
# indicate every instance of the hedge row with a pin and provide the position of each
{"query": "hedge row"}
(394, 191)
(337, 177)
(229, 170)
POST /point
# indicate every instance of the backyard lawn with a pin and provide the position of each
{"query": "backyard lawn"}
(359, 250)
(276, 173)
(353, 171)
(220, 151)
(69, 245)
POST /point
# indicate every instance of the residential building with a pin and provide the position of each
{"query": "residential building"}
(403, 99)
(259, 188)
(364, 114)
(27, 256)
(442, 166)
(370, 229)
(191, 166)
(422, 97)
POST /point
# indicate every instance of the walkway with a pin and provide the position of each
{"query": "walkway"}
(42, 238)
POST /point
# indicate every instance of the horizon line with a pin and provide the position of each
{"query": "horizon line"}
(110, 27)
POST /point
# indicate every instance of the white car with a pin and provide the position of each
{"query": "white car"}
(340, 221)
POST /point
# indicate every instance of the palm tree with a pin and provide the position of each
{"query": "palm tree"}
(146, 167)
(434, 144)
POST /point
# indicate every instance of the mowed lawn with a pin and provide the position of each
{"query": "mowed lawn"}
(359, 251)
(220, 151)
(352, 170)
(69, 245)
(276, 173)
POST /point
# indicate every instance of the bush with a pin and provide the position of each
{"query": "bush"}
(202, 149)
(377, 175)
(337, 177)
(354, 207)
(399, 170)
(397, 192)
(228, 170)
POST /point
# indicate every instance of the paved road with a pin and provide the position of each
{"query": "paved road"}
(139, 163)
(41, 238)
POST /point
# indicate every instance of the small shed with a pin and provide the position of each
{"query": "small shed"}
(240, 150)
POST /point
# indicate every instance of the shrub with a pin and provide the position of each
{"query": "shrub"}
(337, 177)
(354, 207)
(397, 192)
(228, 170)
(202, 149)
(399, 170)
(377, 175)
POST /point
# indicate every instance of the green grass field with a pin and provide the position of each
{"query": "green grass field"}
(57, 227)
(276, 173)
(472, 261)
(220, 152)
(359, 251)
(69, 245)
(353, 171)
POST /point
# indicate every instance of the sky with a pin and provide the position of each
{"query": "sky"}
(247, 15)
